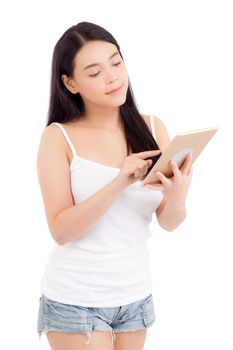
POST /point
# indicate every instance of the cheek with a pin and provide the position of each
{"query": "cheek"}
(91, 87)
(124, 75)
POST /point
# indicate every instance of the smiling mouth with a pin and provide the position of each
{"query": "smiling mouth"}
(115, 90)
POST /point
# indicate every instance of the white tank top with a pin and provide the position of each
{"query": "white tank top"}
(109, 265)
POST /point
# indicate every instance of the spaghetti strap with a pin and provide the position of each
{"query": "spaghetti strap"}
(152, 126)
(67, 138)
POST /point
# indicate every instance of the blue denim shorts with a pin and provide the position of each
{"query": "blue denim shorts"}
(59, 317)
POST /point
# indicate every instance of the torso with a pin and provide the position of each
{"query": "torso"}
(103, 146)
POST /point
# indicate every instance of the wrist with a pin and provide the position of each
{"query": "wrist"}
(118, 184)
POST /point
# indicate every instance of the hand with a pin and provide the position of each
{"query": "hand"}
(135, 166)
(175, 188)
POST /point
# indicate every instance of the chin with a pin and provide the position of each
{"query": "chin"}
(118, 103)
(123, 102)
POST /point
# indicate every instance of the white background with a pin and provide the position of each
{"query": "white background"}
(180, 61)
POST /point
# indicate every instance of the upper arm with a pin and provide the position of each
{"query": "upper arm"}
(163, 140)
(161, 133)
(53, 172)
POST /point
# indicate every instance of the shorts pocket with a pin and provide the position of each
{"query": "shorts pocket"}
(67, 317)
(148, 313)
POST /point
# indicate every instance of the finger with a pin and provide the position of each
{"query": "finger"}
(137, 172)
(175, 169)
(187, 163)
(155, 187)
(149, 162)
(165, 181)
(147, 154)
(190, 171)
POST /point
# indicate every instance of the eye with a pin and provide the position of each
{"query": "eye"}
(94, 75)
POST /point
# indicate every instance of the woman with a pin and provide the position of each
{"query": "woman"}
(93, 154)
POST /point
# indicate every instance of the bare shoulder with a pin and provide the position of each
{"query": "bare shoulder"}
(51, 131)
(52, 138)
(53, 174)
(51, 151)
(161, 131)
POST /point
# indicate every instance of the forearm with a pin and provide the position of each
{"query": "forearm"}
(171, 215)
(74, 221)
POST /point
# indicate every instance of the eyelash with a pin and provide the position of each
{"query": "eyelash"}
(94, 75)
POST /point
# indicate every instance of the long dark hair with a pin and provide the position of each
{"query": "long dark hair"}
(65, 106)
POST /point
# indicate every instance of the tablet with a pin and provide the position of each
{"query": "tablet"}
(183, 143)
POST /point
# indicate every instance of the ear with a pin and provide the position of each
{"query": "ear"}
(69, 84)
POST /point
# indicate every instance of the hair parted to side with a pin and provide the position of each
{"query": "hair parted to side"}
(65, 106)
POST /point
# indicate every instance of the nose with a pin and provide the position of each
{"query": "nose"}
(110, 76)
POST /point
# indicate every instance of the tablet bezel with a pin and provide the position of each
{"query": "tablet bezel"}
(193, 141)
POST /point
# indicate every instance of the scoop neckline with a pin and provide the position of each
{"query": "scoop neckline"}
(77, 157)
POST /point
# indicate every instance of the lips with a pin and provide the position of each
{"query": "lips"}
(115, 89)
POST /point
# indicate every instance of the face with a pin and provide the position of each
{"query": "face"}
(99, 69)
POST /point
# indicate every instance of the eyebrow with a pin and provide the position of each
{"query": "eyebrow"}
(96, 64)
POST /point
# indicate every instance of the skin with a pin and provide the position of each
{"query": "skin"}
(99, 105)
(102, 113)
(98, 341)
(172, 210)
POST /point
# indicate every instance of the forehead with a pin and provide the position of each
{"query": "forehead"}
(94, 52)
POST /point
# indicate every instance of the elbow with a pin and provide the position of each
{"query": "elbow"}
(60, 238)
(168, 228)
(57, 236)
(171, 227)
(171, 217)
(58, 231)
(60, 241)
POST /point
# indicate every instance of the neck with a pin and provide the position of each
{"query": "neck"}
(102, 117)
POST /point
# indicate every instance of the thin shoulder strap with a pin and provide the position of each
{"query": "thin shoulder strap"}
(67, 137)
(152, 126)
